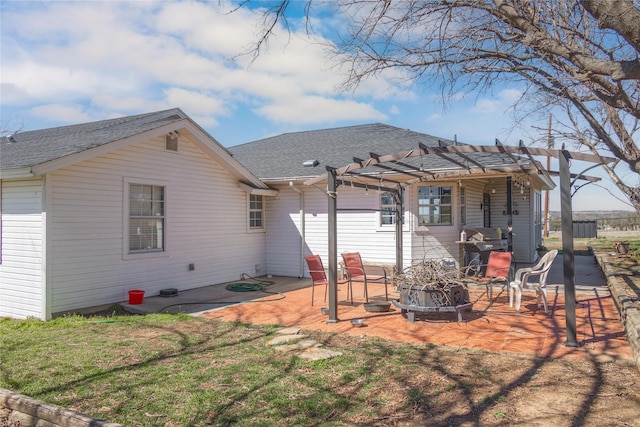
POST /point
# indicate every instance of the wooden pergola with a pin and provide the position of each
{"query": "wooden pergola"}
(393, 172)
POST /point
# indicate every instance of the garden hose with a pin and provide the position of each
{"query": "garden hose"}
(248, 285)
(254, 285)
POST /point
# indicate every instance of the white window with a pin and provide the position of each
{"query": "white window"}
(434, 205)
(387, 208)
(463, 206)
(146, 218)
(256, 212)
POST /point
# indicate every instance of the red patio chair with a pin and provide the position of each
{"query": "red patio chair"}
(319, 277)
(356, 272)
(497, 272)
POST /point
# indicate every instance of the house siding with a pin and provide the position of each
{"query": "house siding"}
(522, 222)
(205, 225)
(358, 226)
(284, 234)
(23, 263)
(435, 241)
(357, 229)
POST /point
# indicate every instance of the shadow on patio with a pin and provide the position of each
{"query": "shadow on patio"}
(495, 327)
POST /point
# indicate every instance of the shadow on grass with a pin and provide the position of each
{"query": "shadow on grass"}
(376, 382)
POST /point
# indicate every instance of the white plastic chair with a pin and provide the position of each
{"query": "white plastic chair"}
(534, 278)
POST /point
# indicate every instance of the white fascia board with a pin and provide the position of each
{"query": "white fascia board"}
(258, 191)
(286, 180)
(213, 147)
(547, 181)
(16, 173)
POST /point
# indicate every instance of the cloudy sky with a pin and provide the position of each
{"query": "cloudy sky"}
(73, 62)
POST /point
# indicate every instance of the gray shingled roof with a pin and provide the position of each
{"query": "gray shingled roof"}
(30, 148)
(282, 156)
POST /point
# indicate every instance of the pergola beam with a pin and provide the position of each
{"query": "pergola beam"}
(458, 169)
(441, 150)
(502, 149)
(394, 169)
(578, 176)
(526, 152)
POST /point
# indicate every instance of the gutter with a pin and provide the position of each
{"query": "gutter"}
(17, 173)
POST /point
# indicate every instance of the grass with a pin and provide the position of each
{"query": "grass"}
(178, 370)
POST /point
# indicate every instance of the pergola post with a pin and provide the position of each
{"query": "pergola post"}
(332, 192)
(399, 223)
(567, 247)
(510, 213)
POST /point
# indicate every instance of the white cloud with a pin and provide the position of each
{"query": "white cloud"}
(63, 113)
(504, 100)
(139, 56)
(315, 109)
(434, 118)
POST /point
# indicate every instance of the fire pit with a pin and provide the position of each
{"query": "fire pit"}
(428, 287)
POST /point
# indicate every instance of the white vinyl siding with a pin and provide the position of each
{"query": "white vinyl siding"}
(284, 233)
(358, 226)
(22, 269)
(357, 229)
(206, 226)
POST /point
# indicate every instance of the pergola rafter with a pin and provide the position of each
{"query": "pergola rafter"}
(499, 158)
(455, 167)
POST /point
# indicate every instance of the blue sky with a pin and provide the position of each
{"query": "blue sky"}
(73, 62)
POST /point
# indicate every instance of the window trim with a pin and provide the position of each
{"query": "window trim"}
(462, 198)
(262, 210)
(451, 206)
(390, 227)
(156, 253)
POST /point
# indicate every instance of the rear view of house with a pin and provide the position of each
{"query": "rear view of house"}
(447, 188)
(145, 202)
(151, 202)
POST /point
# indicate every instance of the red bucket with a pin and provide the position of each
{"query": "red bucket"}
(136, 296)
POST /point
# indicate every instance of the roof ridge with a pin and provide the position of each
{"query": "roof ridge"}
(107, 122)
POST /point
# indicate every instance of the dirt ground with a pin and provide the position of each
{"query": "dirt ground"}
(461, 387)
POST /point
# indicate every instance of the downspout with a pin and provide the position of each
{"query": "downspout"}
(47, 248)
(509, 214)
(302, 228)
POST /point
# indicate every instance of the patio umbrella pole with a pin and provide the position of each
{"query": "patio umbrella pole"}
(333, 244)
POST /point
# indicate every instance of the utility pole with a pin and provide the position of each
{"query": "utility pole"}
(545, 220)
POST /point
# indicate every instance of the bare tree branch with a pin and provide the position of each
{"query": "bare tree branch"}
(583, 56)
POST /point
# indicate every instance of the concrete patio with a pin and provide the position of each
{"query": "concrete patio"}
(491, 327)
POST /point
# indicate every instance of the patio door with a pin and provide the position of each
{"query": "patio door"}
(486, 210)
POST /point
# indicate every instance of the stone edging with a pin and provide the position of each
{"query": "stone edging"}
(628, 310)
(23, 411)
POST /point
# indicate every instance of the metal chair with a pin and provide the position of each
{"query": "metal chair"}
(525, 278)
(319, 277)
(497, 271)
(356, 272)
